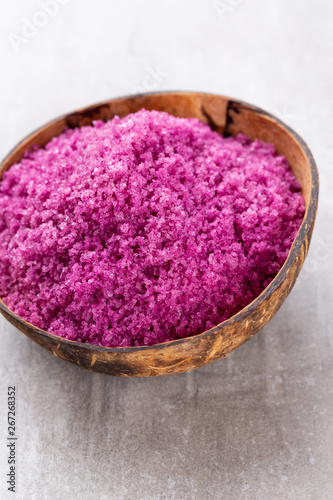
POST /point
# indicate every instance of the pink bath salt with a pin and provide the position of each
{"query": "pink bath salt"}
(143, 229)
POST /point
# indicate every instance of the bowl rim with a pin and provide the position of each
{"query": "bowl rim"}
(298, 241)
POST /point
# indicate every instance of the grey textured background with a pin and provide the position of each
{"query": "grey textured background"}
(258, 424)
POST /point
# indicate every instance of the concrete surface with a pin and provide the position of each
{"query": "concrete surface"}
(258, 424)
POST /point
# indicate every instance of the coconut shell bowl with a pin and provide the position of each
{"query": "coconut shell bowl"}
(225, 116)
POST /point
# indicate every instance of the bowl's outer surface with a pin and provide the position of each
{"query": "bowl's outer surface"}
(226, 116)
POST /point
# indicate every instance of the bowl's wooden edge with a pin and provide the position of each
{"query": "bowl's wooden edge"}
(168, 357)
(175, 356)
(209, 108)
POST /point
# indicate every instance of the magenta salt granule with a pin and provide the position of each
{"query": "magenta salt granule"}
(143, 229)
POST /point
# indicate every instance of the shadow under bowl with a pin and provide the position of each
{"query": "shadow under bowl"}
(225, 116)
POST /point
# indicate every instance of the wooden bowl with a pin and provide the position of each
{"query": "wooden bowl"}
(227, 116)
